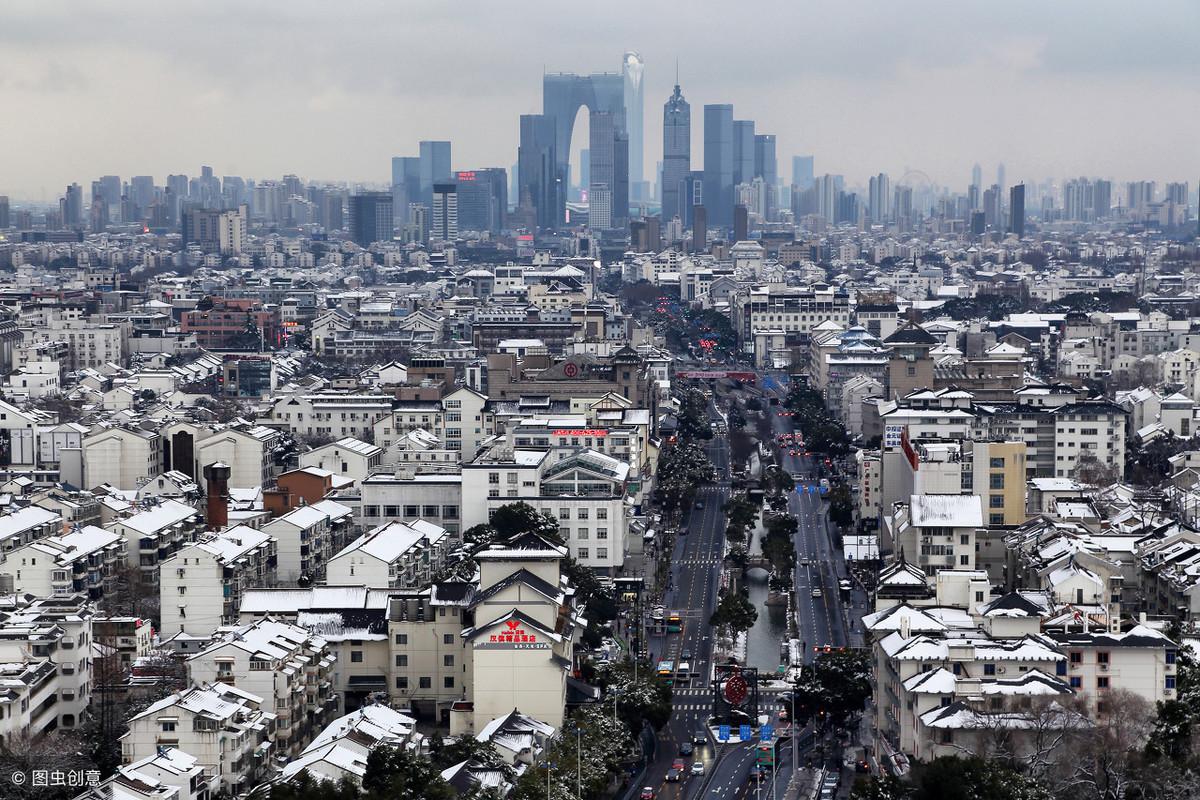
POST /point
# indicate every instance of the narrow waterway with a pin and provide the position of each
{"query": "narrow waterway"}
(762, 642)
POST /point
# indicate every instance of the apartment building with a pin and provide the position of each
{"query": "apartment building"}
(26, 525)
(306, 537)
(224, 728)
(153, 535)
(121, 457)
(284, 665)
(248, 450)
(351, 458)
(46, 661)
(85, 561)
(392, 556)
(201, 586)
(333, 416)
(407, 496)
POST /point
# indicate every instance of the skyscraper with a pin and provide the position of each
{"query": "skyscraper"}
(827, 197)
(563, 94)
(1016, 210)
(977, 177)
(435, 167)
(766, 166)
(70, 207)
(802, 171)
(482, 199)
(537, 177)
(879, 197)
(445, 212)
(718, 164)
(371, 217)
(5, 220)
(406, 185)
(635, 103)
(743, 151)
(677, 155)
(608, 172)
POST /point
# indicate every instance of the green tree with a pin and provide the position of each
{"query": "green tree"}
(954, 778)
(835, 687)
(841, 505)
(734, 612)
(512, 519)
(395, 772)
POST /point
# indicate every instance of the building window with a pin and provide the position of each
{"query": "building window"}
(1170, 656)
(564, 513)
(601, 552)
(583, 513)
(401, 660)
(601, 513)
(1102, 657)
(583, 553)
(356, 656)
(996, 480)
(448, 660)
(401, 638)
(412, 511)
(997, 463)
(391, 511)
(583, 533)
(401, 682)
(989, 669)
(1102, 682)
(425, 682)
(1076, 657)
(601, 533)
(964, 538)
(1076, 682)
(430, 511)
(995, 519)
(494, 477)
(447, 638)
(448, 682)
(996, 501)
(1170, 684)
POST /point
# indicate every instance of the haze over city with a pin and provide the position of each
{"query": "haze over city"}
(331, 93)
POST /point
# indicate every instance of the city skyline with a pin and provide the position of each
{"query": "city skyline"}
(1082, 72)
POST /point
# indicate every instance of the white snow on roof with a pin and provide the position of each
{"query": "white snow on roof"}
(164, 515)
(22, 520)
(946, 510)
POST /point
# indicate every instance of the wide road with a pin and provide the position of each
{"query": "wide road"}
(695, 570)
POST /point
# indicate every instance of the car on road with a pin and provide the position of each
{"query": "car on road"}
(757, 775)
(816, 593)
(685, 748)
(697, 767)
(699, 504)
(673, 775)
(647, 793)
(678, 764)
(699, 736)
(685, 655)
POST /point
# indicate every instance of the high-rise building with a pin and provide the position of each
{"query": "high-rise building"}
(445, 212)
(537, 175)
(215, 230)
(1102, 199)
(991, 207)
(718, 164)
(677, 156)
(5, 217)
(741, 223)
(109, 188)
(802, 172)
(371, 217)
(482, 199)
(602, 177)
(743, 151)
(902, 207)
(70, 207)
(699, 229)
(1000, 184)
(406, 185)
(635, 103)
(141, 192)
(879, 197)
(827, 190)
(435, 167)
(1016, 210)
(563, 94)
(766, 166)
(1139, 194)
(1177, 193)
(977, 177)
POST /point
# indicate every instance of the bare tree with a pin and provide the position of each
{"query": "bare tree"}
(1103, 764)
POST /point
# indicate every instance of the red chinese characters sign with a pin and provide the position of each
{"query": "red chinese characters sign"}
(580, 432)
(513, 636)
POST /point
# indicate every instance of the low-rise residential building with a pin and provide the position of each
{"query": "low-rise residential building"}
(87, 560)
(392, 556)
(201, 586)
(153, 535)
(306, 537)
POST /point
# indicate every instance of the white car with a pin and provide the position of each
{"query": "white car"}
(816, 593)
(697, 767)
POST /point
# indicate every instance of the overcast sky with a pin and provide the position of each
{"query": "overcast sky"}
(332, 90)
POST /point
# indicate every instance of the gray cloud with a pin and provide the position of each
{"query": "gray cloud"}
(332, 91)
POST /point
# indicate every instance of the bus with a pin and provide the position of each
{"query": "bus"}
(666, 671)
(674, 622)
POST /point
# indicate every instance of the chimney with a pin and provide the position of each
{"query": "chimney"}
(217, 512)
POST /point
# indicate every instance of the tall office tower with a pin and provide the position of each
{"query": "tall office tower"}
(1079, 201)
(743, 151)
(110, 189)
(635, 104)
(718, 164)
(1177, 193)
(141, 191)
(435, 167)
(879, 197)
(562, 96)
(98, 214)
(482, 199)
(177, 189)
(604, 157)
(991, 207)
(215, 230)
(417, 229)
(371, 217)
(974, 198)
(977, 177)
(826, 186)
(1000, 178)
(802, 172)
(693, 195)
(406, 185)
(902, 207)
(5, 216)
(585, 169)
(537, 170)
(699, 229)
(766, 166)
(741, 223)
(1139, 194)
(1016, 210)
(234, 190)
(445, 212)
(70, 207)
(677, 156)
